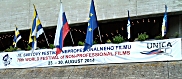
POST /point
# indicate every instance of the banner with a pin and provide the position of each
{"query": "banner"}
(146, 51)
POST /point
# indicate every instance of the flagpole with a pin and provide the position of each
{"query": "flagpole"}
(13, 37)
(99, 34)
(71, 37)
(46, 39)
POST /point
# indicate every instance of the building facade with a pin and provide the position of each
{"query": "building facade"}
(109, 13)
(20, 12)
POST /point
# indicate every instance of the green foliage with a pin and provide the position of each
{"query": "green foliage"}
(159, 37)
(95, 42)
(176, 35)
(43, 47)
(51, 46)
(80, 43)
(108, 41)
(18, 48)
(28, 47)
(142, 36)
(11, 49)
(8, 50)
(118, 39)
(14, 49)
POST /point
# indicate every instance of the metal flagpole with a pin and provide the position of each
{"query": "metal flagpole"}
(46, 39)
(99, 34)
(14, 36)
(71, 37)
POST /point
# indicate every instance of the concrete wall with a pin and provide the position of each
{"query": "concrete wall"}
(20, 12)
(152, 70)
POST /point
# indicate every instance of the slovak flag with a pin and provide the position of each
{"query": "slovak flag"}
(61, 31)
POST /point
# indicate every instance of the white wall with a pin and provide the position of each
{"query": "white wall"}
(19, 12)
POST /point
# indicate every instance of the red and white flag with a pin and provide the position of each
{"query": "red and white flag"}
(61, 31)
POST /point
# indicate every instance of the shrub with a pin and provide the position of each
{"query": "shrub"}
(176, 35)
(118, 39)
(108, 41)
(80, 43)
(43, 47)
(18, 48)
(142, 36)
(14, 48)
(51, 46)
(159, 37)
(8, 50)
(28, 47)
(11, 49)
(95, 42)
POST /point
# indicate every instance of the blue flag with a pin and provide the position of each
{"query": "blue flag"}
(164, 23)
(92, 25)
(17, 36)
(128, 26)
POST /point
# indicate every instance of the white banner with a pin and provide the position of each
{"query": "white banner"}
(156, 50)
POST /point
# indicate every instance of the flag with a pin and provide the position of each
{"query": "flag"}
(128, 26)
(164, 23)
(36, 29)
(92, 25)
(17, 37)
(61, 31)
(39, 28)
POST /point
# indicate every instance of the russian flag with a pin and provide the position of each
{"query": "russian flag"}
(61, 31)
